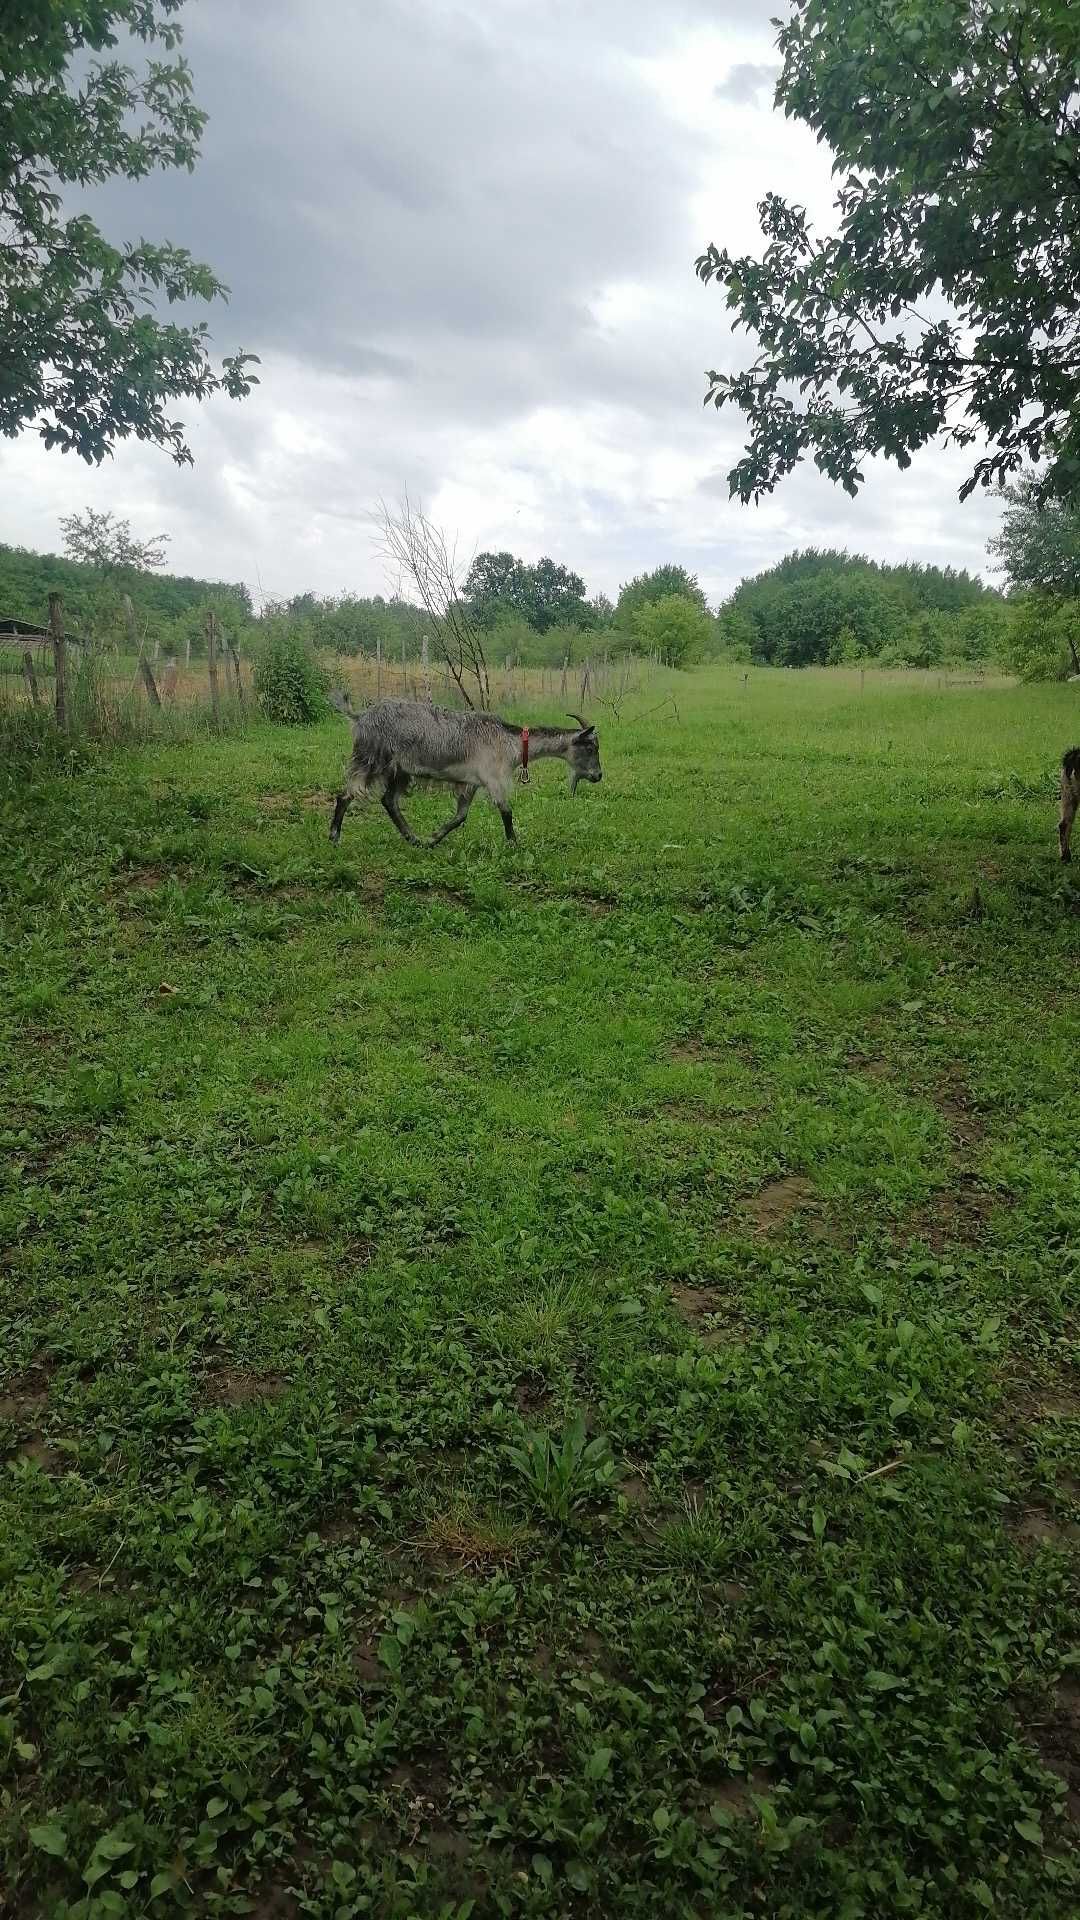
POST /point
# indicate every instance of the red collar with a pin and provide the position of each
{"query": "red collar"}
(525, 749)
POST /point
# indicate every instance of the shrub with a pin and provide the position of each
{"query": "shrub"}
(290, 685)
(1042, 641)
(675, 628)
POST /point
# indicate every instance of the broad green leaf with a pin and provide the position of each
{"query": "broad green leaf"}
(49, 1838)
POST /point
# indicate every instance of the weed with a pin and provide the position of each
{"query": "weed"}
(562, 1473)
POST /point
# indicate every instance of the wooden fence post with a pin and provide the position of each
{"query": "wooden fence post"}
(378, 667)
(211, 660)
(234, 656)
(31, 676)
(56, 628)
(143, 663)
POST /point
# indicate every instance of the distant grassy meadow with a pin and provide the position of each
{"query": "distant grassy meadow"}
(547, 1382)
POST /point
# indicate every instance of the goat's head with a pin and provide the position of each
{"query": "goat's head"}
(584, 755)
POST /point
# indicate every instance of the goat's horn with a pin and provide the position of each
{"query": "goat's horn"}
(583, 724)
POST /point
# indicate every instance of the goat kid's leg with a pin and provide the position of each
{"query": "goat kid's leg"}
(508, 824)
(390, 802)
(1070, 801)
(465, 798)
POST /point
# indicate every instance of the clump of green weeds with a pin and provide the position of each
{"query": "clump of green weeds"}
(563, 1472)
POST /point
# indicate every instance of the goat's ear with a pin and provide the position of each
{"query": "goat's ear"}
(587, 733)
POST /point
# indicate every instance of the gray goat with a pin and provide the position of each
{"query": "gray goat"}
(1070, 798)
(398, 741)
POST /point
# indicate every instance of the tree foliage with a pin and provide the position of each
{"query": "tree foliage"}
(674, 627)
(102, 541)
(660, 584)
(1042, 641)
(27, 579)
(820, 606)
(1038, 543)
(1038, 548)
(82, 355)
(498, 586)
(947, 304)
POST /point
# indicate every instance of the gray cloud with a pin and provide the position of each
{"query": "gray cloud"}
(461, 234)
(746, 81)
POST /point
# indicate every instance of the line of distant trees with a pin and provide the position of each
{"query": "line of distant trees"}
(815, 607)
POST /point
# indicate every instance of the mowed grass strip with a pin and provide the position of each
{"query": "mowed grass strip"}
(545, 1382)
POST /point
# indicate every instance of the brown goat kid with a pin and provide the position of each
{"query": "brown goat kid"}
(1070, 798)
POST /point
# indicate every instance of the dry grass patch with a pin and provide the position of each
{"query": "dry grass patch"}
(236, 1387)
(474, 1535)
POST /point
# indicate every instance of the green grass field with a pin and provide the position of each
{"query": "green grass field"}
(545, 1382)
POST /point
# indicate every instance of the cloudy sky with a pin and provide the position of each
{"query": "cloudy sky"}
(461, 234)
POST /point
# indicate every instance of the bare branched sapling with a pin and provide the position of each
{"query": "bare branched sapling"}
(416, 550)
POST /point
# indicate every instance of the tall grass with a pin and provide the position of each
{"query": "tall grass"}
(107, 706)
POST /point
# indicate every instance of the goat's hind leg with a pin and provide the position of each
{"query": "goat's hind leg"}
(1070, 801)
(390, 794)
(465, 798)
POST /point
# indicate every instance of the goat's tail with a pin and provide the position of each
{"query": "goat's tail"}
(1070, 766)
(341, 702)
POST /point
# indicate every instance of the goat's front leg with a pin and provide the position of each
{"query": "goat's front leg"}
(1070, 800)
(390, 802)
(508, 823)
(465, 798)
(341, 808)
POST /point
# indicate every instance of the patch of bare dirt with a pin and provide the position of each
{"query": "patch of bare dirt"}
(635, 1490)
(593, 904)
(365, 1663)
(40, 1454)
(337, 1529)
(870, 1067)
(532, 1397)
(441, 890)
(688, 1052)
(733, 1796)
(776, 1203)
(1038, 1525)
(95, 1579)
(273, 1903)
(235, 1387)
(1060, 1404)
(708, 1315)
(24, 1397)
(593, 1655)
(955, 1217)
(966, 1126)
(149, 879)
